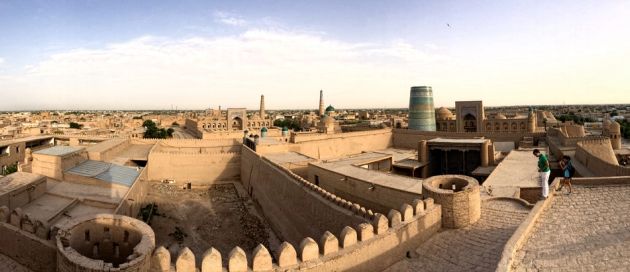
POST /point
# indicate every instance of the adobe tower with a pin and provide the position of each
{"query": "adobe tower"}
(421, 110)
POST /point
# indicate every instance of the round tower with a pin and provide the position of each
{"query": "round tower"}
(104, 242)
(421, 110)
(615, 135)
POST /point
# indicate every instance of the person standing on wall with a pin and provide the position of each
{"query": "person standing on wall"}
(544, 170)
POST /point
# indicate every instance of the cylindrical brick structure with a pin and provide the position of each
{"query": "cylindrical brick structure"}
(104, 242)
(421, 110)
(459, 197)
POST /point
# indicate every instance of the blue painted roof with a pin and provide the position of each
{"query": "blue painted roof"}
(106, 172)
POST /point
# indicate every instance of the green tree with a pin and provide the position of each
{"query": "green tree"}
(152, 131)
(169, 132)
(289, 123)
(75, 125)
(9, 169)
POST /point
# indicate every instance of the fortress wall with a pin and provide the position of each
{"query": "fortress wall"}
(379, 199)
(26, 241)
(590, 152)
(293, 210)
(408, 139)
(198, 168)
(367, 247)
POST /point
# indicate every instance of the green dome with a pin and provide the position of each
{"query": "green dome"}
(264, 129)
(285, 129)
(330, 108)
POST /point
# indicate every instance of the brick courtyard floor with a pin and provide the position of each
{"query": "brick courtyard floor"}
(474, 248)
(8, 264)
(588, 230)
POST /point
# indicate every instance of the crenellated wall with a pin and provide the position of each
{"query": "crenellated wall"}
(370, 246)
(294, 207)
(26, 241)
(404, 138)
(380, 198)
(594, 154)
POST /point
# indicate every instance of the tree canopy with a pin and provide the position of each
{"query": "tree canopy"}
(152, 131)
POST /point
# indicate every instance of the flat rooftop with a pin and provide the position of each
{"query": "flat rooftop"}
(17, 180)
(584, 231)
(105, 145)
(107, 172)
(348, 167)
(58, 150)
(25, 139)
(456, 141)
(289, 157)
(519, 169)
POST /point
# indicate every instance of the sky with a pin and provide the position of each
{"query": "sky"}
(364, 54)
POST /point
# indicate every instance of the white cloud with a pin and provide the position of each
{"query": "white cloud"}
(1, 61)
(198, 72)
(229, 18)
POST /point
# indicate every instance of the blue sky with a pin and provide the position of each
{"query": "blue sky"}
(197, 54)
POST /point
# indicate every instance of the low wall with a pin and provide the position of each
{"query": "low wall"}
(27, 249)
(404, 138)
(524, 230)
(293, 210)
(377, 197)
(198, 168)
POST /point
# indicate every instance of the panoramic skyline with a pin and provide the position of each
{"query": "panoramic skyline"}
(194, 54)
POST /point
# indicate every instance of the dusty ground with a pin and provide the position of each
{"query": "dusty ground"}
(8, 264)
(207, 217)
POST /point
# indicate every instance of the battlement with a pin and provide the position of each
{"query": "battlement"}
(598, 156)
(366, 247)
(345, 204)
(594, 140)
(22, 221)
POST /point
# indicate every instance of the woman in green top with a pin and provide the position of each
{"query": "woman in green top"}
(544, 170)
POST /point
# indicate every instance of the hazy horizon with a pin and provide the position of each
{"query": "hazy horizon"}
(364, 54)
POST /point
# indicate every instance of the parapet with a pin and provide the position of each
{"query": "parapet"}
(104, 242)
(459, 197)
(364, 247)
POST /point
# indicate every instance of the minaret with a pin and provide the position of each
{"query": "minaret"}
(262, 107)
(321, 103)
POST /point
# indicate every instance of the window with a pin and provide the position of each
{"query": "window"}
(317, 180)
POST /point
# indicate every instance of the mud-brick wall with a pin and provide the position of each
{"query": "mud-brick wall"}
(27, 249)
(199, 169)
(293, 211)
